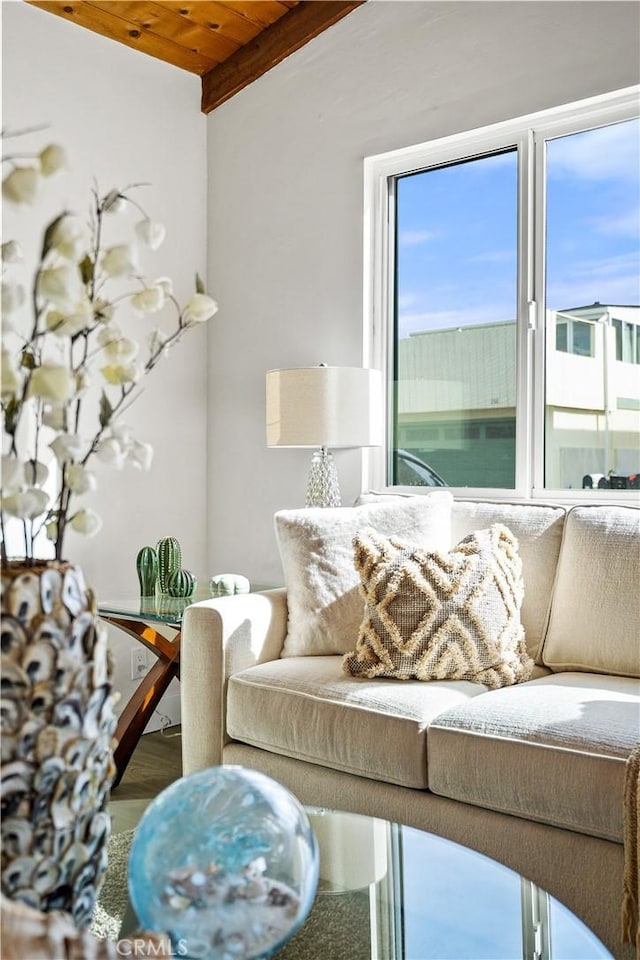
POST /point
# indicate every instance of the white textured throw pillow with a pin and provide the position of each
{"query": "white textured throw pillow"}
(432, 615)
(316, 550)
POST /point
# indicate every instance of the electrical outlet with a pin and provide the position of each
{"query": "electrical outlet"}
(138, 664)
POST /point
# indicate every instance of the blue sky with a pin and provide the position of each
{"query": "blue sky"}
(457, 232)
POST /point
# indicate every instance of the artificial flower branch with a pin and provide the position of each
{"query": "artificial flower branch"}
(75, 366)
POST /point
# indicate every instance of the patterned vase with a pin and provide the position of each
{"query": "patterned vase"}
(57, 749)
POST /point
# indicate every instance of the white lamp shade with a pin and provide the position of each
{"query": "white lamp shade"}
(324, 407)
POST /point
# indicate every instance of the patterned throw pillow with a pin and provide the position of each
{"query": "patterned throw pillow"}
(441, 616)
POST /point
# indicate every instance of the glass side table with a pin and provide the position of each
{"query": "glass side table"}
(145, 619)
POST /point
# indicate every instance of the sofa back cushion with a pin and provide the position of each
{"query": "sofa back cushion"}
(538, 530)
(316, 550)
(594, 622)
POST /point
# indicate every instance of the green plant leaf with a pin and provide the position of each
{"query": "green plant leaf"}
(27, 360)
(106, 410)
(199, 284)
(86, 269)
(47, 239)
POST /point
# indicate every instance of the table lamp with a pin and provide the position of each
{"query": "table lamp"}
(324, 407)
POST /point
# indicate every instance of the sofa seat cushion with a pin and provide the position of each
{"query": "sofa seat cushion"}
(306, 708)
(551, 750)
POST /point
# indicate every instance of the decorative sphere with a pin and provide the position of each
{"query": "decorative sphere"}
(225, 862)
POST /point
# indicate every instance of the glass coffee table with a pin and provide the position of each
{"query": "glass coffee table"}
(392, 892)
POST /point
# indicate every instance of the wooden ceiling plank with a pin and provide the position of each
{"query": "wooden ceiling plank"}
(216, 16)
(261, 12)
(284, 37)
(159, 20)
(113, 27)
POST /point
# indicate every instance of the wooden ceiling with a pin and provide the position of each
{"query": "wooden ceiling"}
(229, 43)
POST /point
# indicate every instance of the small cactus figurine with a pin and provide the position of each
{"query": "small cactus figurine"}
(182, 583)
(147, 567)
(169, 560)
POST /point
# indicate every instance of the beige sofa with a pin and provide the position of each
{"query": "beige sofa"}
(531, 774)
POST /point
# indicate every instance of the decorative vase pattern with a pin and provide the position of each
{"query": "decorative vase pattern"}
(182, 583)
(147, 567)
(169, 560)
(57, 749)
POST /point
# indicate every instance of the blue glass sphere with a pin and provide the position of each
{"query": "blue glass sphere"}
(224, 861)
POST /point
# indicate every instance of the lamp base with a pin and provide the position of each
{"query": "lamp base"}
(323, 489)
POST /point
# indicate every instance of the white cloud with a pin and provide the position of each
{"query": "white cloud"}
(413, 238)
(610, 280)
(600, 154)
(621, 225)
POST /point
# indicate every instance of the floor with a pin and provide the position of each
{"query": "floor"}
(156, 762)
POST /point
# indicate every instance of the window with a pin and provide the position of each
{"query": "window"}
(574, 336)
(627, 341)
(503, 298)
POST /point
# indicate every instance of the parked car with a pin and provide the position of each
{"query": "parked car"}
(411, 471)
(612, 482)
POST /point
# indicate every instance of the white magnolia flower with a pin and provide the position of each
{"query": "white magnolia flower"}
(103, 310)
(52, 381)
(120, 260)
(150, 232)
(12, 473)
(121, 350)
(26, 504)
(21, 185)
(68, 239)
(79, 479)
(52, 159)
(62, 286)
(110, 452)
(68, 324)
(166, 283)
(199, 308)
(13, 296)
(36, 473)
(66, 447)
(86, 521)
(113, 202)
(53, 415)
(118, 374)
(51, 529)
(10, 379)
(123, 433)
(141, 455)
(11, 252)
(149, 300)
(108, 334)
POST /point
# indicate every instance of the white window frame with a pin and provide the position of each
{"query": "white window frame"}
(528, 135)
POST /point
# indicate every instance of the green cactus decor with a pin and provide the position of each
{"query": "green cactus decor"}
(182, 583)
(225, 584)
(147, 567)
(169, 560)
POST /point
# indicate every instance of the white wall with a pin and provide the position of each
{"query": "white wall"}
(286, 201)
(124, 118)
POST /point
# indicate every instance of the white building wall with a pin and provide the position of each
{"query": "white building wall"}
(124, 118)
(286, 202)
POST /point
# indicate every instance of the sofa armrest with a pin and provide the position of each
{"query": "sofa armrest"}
(219, 638)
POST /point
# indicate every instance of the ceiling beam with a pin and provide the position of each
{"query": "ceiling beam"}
(278, 41)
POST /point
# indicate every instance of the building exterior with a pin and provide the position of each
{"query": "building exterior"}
(456, 395)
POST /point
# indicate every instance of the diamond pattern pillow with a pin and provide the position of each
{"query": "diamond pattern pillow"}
(441, 616)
